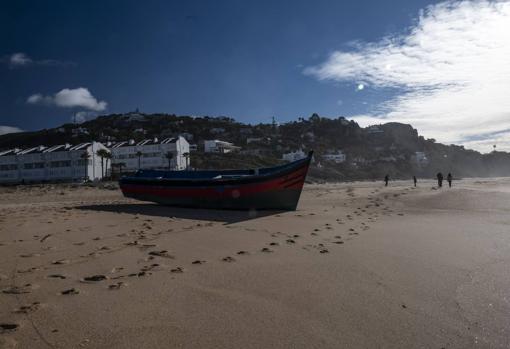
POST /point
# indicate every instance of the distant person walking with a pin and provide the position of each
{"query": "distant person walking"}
(415, 180)
(449, 179)
(386, 180)
(440, 180)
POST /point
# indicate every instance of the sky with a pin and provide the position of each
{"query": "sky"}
(440, 66)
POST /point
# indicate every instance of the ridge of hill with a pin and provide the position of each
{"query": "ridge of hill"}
(371, 152)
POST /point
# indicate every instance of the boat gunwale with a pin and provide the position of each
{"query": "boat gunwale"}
(248, 179)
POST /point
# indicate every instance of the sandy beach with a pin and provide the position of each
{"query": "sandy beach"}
(357, 265)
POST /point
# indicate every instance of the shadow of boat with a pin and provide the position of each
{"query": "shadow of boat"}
(149, 209)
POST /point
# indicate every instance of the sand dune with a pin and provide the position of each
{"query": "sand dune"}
(357, 265)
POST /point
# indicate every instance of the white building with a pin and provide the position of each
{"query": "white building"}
(293, 156)
(50, 164)
(217, 146)
(337, 157)
(152, 154)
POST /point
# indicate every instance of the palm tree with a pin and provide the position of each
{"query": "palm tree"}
(186, 156)
(102, 153)
(169, 156)
(139, 154)
(108, 157)
(85, 156)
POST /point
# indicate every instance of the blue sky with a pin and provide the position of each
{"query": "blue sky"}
(197, 57)
(248, 60)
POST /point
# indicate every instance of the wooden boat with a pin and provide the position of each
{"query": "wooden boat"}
(274, 188)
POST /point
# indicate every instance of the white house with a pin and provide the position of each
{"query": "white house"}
(217, 146)
(293, 156)
(152, 154)
(49, 164)
(337, 157)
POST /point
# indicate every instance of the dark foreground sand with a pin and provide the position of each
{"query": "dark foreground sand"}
(357, 266)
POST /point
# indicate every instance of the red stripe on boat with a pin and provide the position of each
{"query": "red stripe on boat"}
(280, 183)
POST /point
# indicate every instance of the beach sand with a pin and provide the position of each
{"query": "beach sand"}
(357, 265)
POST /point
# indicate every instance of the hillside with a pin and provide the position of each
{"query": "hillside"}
(371, 152)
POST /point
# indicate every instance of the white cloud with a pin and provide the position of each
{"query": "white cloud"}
(70, 98)
(19, 59)
(39, 99)
(9, 129)
(451, 71)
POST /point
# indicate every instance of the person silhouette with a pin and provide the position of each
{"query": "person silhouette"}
(439, 179)
(386, 179)
(449, 179)
(415, 180)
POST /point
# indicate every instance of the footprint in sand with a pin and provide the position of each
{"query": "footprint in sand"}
(324, 250)
(28, 255)
(162, 253)
(17, 289)
(8, 327)
(61, 261)
(198, 262)
(139, 274)
(70, 291)
(228, 259)
(243, 253)
(45, 237)
(116, 286)
(338, 242)
(290, 241)
(93, 278)
(56, 276)
(24, 271)
(25, 309)
(266, 250)
(274, 244)
(177, 270)
(149, 267)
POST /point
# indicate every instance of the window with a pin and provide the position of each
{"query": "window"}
(83, 162)
(9, 167)
(66, 163)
